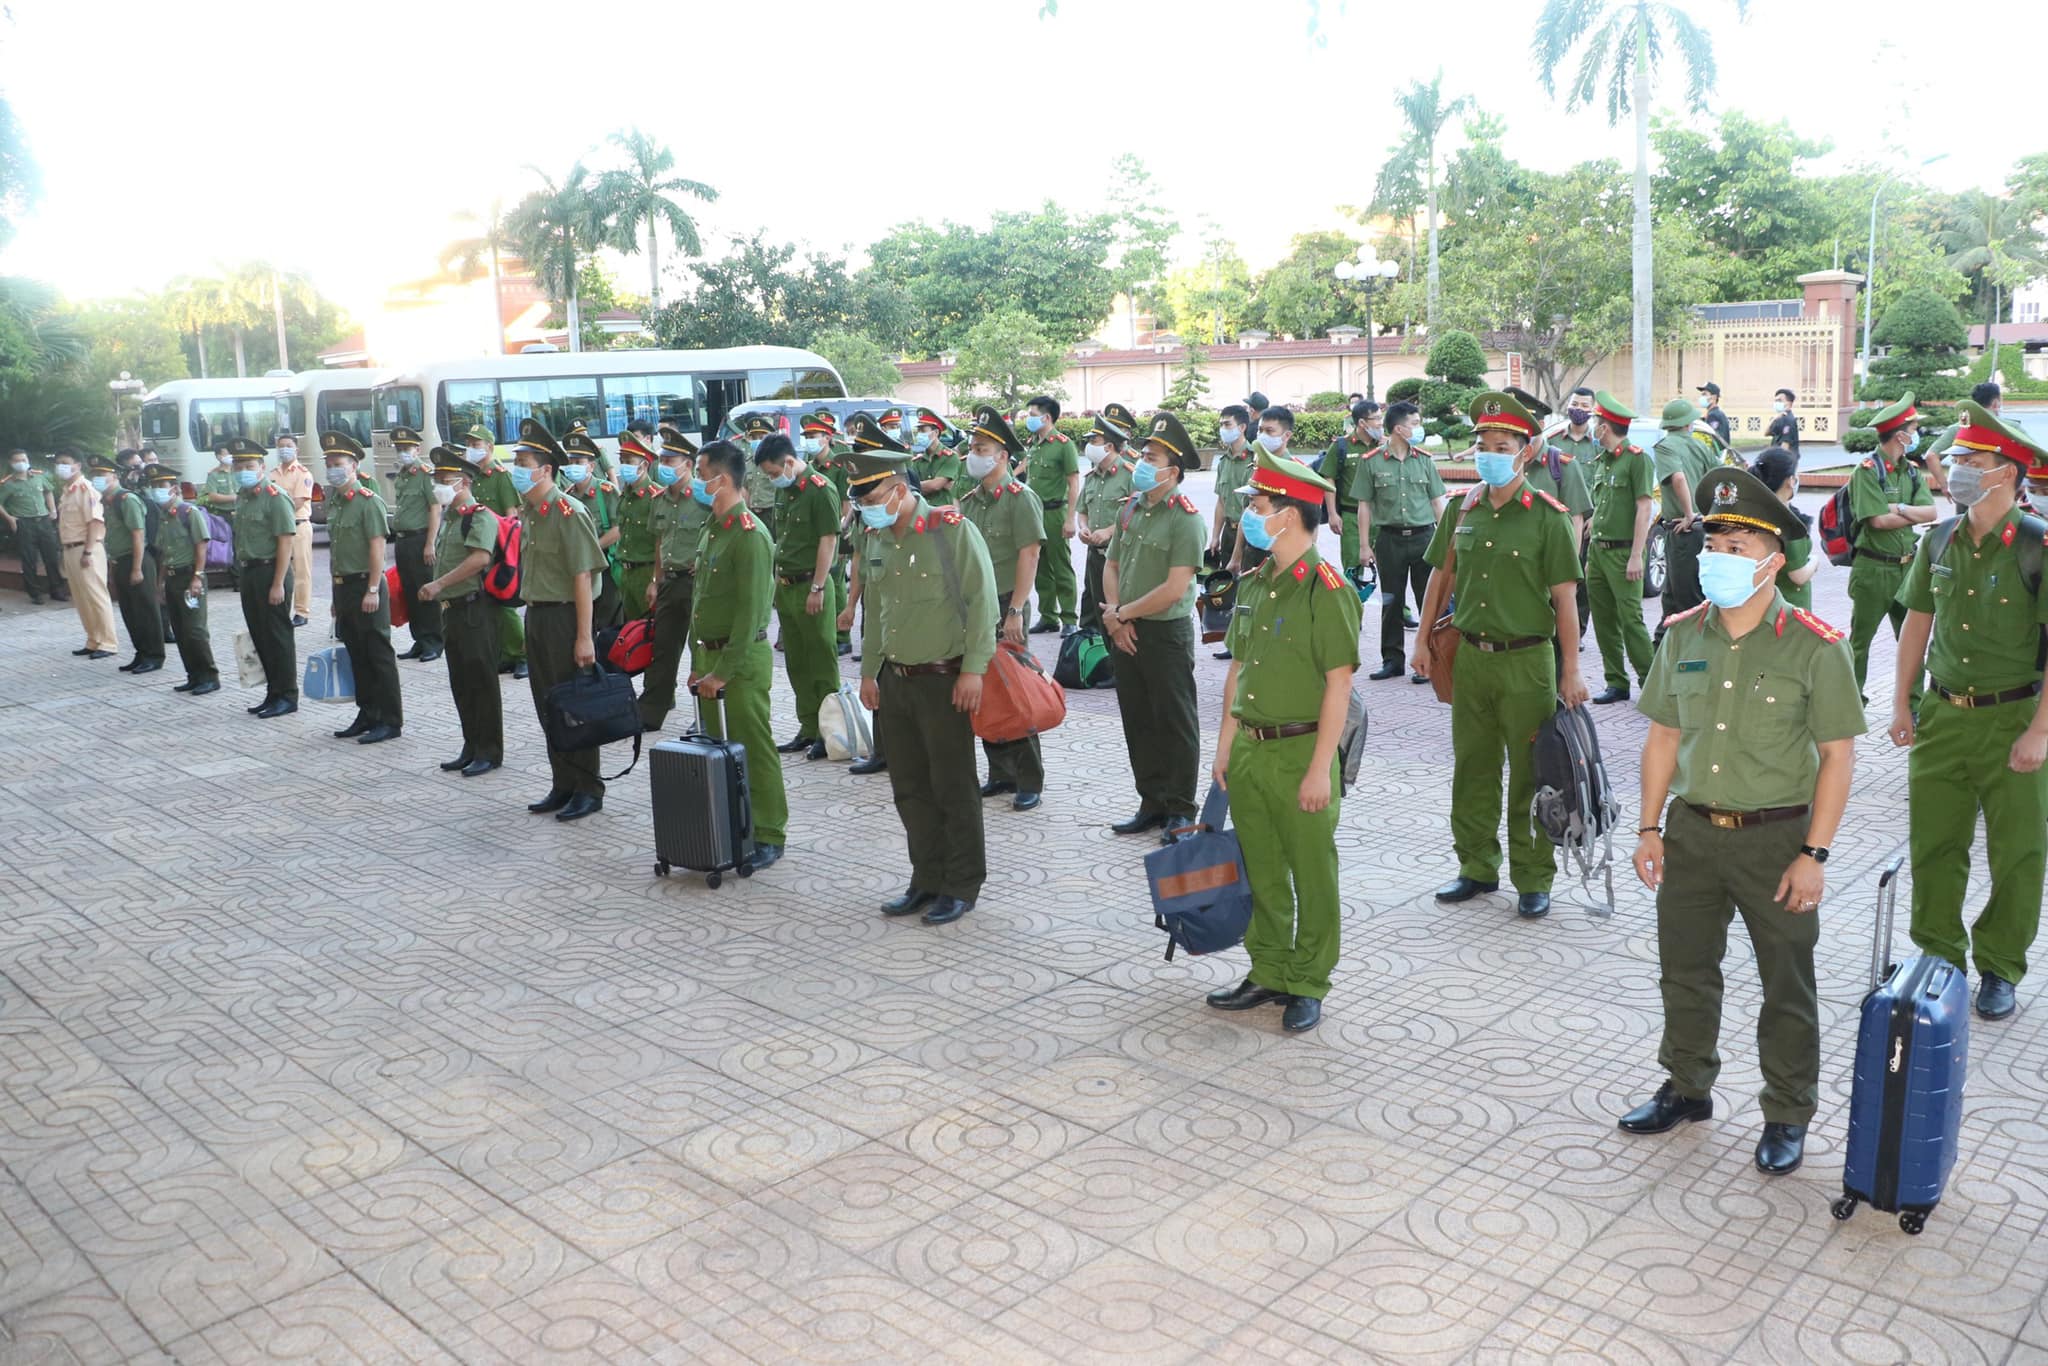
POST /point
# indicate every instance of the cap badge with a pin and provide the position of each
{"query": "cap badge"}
(1724, 494)
(1491, 407)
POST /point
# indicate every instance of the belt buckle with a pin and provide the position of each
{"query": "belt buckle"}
(1960, 699)
(1725, 820)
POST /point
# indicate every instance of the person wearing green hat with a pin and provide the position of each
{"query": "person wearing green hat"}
(265, 534)
(1624, 505)
(807, 510)
(1012, 525)
(1052, 471)
(463, 548)
(1888, 503)
(493, 488)
(1681, 463)
(1105, 488)
(1975, 604)
(181, 540)
(1506, 550)
(1293, 651)
(678, 521)
(639, 496)
(415, 522)
(1753, 724)
(133, 566)
(358, 529)
(28, 506)
(584, 480)
(1397, 496)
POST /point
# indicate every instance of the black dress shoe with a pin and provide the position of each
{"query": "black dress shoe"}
(202, 689)
(504, 668)
(792, 746)
(461, 760)
(430, 654)
(413, 653)
(519, 670)
(874, 763)
(147, 666)
(1069, 630)
(816, 751)
(1532, 905)
(1995, 998)
(186, 686)
(1244, 996)
(1043, 627)
(298, 621)
(579, 806)
(846, 648)
(1611, 695)
(283, 706)
(1417, 678)
(1385, 671)
(1409, 619)
(1781, 1149)
(946, 910)
(764, 854)
(554, 801)
(1140, 823)
(995, 788)
(129, 667)
(377, 735)
(1463, 888)
(353, 729)
(1221, 654)
(259, 706)
(84, 652)
(1666, 1111)
(1026, 801)
(1303, 1013)
(910, 903)
(478, 766)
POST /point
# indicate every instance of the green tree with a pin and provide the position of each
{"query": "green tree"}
(1007, 357)
(1144, 230)
(1619, 44)
(1212, 299)
(862, 364)
(1049, 264)
(553, 229)
(760, 293)
(1190, 381)
(139, 335)
(645, 193)
(1745, 193)
(1302, 296)
(1425, 113)
(45, 399)
(1994, 240)
(1924, 338)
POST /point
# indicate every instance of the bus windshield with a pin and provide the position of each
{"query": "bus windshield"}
(348, 410)
(216, 419)
(160, 423)
(398, 405)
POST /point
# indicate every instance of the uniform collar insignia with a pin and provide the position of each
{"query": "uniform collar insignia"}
(917, 525)
(1528, 498)
(1300, 570)
(2005, 537)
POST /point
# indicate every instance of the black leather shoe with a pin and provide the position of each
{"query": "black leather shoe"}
(1244, 996)
(1665, 1111)
(476, 767)
(259, 706)
(910, 903)
(1303, 1013)
(298, 621)
(461, 760)
(519, 670)
(1464, 889)
(1781, 1149)
(129, 667)
(1609, 696)
(815, 752)
(283, 706)
(764, 854)
(430, 654)
(873, 764)
(1221, 654)
(186, 686)
(578, 807)
(84, 652)
(793, 745)
(1417, 678)
(353, 729)
(845, 647)
(946, 910)
(413, 653)
(1043, 627)
(1385, 671)
(1532, 905)
(1995, 997)
(1069, 630)
(1409, 619)
(202, 689)
(1026, 801)
(1140, 823)
(99, 654)
(147, 666)
(554, 801)
(377, 735)
(993, 788)
(504, 668)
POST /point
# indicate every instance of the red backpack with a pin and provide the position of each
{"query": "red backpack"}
(501, 579)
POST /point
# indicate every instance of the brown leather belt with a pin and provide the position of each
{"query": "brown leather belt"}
(73, 545)
(724, 641)
(1883, 559)
(1286, 732)
(940, 666)
(1965, 699)
(1608, 543)
(1495, 647)
(1406, 530)
(792, 580)
(1737, 820)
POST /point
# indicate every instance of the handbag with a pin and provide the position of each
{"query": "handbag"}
(843, 725)
(394, 594)
(1018, 700)
(1201, 893)
(591, 708)
(1443, 655)
(249, 664)
(628, 647)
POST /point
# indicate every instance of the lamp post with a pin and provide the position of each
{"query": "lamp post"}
(1870, 265)
(1369, 270)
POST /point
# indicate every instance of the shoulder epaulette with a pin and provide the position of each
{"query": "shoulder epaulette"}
(818, 481)
(1815, 625)
(746, 521)
(1183, 502)
(1638, 450)
(1686, 615)
(607, 488)
(1330, 577)
(1472, 498)
(1057, 436)
(1869, 464)
(950, 516)
(1550, 500)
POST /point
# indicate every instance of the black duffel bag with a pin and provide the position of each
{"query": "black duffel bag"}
(591, 708)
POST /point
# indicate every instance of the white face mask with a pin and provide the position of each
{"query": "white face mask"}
(337, 475)
(226, 460)
(1226, 435)
(287, 454)
(1272, 441)
(408, 457)
(20, 466)
(2038, 501)
(1098, 451)
(476, 455)
(444, 494)
(67, 471)
(981, 466)
(1779, 406)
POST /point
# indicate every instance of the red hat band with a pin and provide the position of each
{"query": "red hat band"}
(1910, 415)
(1614, 420)
(1286, 486)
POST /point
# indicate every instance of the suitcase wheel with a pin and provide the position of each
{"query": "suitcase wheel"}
(712, 880)
(1843, 1207)
(661, 867)
(745, 870)
(1912, 1221)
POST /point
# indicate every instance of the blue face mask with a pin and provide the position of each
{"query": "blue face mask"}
(783, 481)
(160, 496)
(699, 491)
(248, 479)
(1144, 476)
(1727, 580)
(629, 474)
(1495, 469)
(1256, 532)
(522, 479)
(921, 442)
(1034, 423)
(876, 518)
(667, 474)
(575, 474)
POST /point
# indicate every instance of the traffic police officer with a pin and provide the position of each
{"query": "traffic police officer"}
(181, 540)
(639, 496)
(1104, 490)
(133, 566)
(1397, 496)
(296, 481)
(807, 510)
(1506, 550)
(1680, 464)
(415, 520)
(494, 488)
(1012, 524)
(357, 528)
(1624, 505)
(1294, 646)
(264, 535)
(928, 632)
(583, 481)
(467, 539)
(1052, 471)
(679, 530)
(1889, 501)
(1753, 725)
(1979, 742)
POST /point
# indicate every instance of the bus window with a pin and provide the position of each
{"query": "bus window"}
(259, 419)
(346, 410)
(649, 398)
(397, 405)
(214, 420)
(770, 385)
(470, 403)
(558, 404)
(721, 395)
(160, 423)
(292, 413)
(818, 384)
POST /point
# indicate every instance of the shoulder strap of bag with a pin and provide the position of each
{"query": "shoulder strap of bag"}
(1941, 536)
(2028, 546)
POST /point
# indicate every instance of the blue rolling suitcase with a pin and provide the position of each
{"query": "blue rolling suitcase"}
(1906, 1103)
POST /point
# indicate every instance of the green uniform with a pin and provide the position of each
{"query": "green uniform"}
(832, 463)
(1619, 480)
(557, 542)
(601, 500)
(1678, 453)
(1339, 464)
(1798, 554)
(263, 514)
(1232, 472)
(729, 640)
(1155, 687)
(678, 521)
(808, 512)
(1751, 715)
(29, 499)
(1399, 496)
(939, 462)
(220, 480)
(921, 607)
(1585, 448)
(760, 491)
(1986, 641)
(1569, 487)
(1102, 497)
(469, 622)
(639, 530)
(1009, 519)
(181, 541)
(496, 492)
(1292, 626)
(354, 519)
(137, 600)
(1879, 569)
(1047, 463)
(1507, 560)
(412, 513)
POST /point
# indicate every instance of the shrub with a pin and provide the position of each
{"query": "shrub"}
(1457, 356)
(1859, 441)
(1446, 401)
(1075, 428)
(1925, 336)
(1328, 400)
(2012, 373)
(1405, 390)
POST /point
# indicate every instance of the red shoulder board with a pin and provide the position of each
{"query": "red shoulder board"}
(1057, 435)
(608, 488)
(1564, 457)
(917, 525)
(1187, 504)
(1547, 498)
(1686, 615)
(950, 516)
(746, 521)
(818, 481)
(1869, 464)
(1300, 571)
(1330, 577)
(1472, 498)
(1816, 625)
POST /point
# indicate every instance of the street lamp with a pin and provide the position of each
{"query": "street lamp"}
(1369, 270)
(1870, 262)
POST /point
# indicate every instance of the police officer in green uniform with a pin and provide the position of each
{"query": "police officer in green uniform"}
(1580, 439)
(131, 565)
(1974, 622)
(678, 519)
(1506, 550)
(1105, 488)
(1753, 725)
(1340, 464)
(1889, 502)
(760, 493)
(1012, 524)
(415, 519)
(495, 490)
(1052, 471)
(219, 494)
(1624, 504)
(265, 531)
(928, 632)
(600, 498)
(1396, 496)
(639, 496)
(823, 451)
(1233, 471)
(28, 504)
(358, 527)
(1148, 591)
(807, 510)
(467, 538)
(181, 540)
(934, 465)
(1680, 465)
(558, 560)
(1294, 647)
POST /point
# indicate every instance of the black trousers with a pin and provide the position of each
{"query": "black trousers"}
(1091, 588)
(410, 549)
(672, 602)
(367, 638)
(1015, 761)
(551, 659)
(1682, 572)
(138, 604)
(1402, 570)
(42, 563)
(195, 646)
(270, 628)
(1155, 692)
(931, 776)
(470, 627)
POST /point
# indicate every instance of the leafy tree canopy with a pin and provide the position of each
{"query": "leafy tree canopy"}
(1005, 358)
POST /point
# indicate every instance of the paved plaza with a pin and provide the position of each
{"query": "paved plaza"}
(315, 1052)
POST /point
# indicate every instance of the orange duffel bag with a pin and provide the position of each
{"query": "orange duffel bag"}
(1018, 699)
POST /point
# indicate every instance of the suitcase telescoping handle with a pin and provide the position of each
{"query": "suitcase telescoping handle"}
(1887, 911)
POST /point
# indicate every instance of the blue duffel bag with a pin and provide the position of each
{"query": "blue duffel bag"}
(1201, 895)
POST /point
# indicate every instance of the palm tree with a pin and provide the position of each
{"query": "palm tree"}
(1620, 44)
(465, 257)
(641, 194)
(1424, 114)
(1993, 238)
(553, 228)
(189, 303)
(262, 289)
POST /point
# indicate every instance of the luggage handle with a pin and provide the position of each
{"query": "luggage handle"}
(1887, 913)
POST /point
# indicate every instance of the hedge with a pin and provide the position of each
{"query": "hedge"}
(1405, 390)
(2013, 378)
(1327, 401)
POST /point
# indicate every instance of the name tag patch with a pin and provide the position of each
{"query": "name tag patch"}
(1692, 666)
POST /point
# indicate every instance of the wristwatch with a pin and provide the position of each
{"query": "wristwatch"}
(1819, 855)
(1018, 611)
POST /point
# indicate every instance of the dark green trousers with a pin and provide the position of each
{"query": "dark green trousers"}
(138, 604)
(1020, 762)
(409, 548)
(1155, 692)
(42, 561)
(195, 646)
(809, 655)
(511, 636)
(931, 776)
(671, 634)
(1873, 600)
(367, 638)
(470, 625)
(1058, 596)
(551, 659)
(1397, 552)
(1617, 603)
(1091, 588)
(270, 628)
(1682, 573)
(1710, 875)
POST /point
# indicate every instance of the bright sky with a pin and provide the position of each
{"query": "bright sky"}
(342, 140)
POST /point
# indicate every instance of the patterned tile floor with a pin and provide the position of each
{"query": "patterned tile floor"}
(312, 1051)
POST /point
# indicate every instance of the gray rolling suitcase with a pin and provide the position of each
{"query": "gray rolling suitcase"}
(703, 817)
